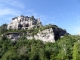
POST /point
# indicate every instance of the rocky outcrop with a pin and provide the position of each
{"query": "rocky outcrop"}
(34, 29)
(46, 35)
(24, 22)
(13, 36)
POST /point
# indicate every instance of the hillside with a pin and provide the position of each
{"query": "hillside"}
(32, 28)
(37, 42)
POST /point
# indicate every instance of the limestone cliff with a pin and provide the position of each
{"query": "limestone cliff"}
(24, 22)
(33, 29)
(49, 34)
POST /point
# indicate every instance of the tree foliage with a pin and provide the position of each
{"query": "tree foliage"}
(65, 48)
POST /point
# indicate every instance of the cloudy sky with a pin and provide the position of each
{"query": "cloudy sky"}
(63, 13)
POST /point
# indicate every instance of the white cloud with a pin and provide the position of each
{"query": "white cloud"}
(9, 11)
(11, 7)
(14, 3)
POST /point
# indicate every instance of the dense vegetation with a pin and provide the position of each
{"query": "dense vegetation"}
(66, 48)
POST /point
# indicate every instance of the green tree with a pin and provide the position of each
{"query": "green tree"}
(76, 51)
(3, 28)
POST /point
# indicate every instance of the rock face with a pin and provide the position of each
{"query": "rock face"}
(13, 36)
(48, 33)
(24, 22)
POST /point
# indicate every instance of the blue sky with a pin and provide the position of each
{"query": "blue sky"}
(63, 13)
